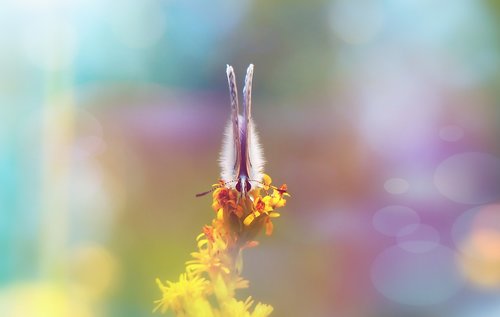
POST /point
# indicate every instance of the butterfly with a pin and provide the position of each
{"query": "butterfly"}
(241, 159)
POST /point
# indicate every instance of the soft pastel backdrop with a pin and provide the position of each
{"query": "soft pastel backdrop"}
(383, 118)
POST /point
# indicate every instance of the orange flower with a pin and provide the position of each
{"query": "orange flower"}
(224, 197)
(261, 205)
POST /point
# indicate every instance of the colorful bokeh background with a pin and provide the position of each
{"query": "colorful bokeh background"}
(383, 117)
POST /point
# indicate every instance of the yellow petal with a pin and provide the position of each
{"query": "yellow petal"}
(249, 219)
(281, 203)
(220, 214)
(216, 205)
(266, 179)
(262, 310)
(201, 243)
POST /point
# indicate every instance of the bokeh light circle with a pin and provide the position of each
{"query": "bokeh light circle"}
(477, 235)
(423, 238)
(463, 226)
(94, 283)
(418, 279)
(391, 219)
(480, 262)
(396, 186)
(469, 178)
(451, 133)
(42, 299)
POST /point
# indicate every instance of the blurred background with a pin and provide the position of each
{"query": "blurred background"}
(383, 118)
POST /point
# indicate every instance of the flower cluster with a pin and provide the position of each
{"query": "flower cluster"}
(208, 286)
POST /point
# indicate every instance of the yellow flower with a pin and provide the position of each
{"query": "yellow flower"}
(209, 257)
(187, 291)
(214, 272)
(277, 197)
(262, 310)
(266, 181)
(236, 308)
(262, 205)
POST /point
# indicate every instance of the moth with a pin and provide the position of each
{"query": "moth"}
(241, 159)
